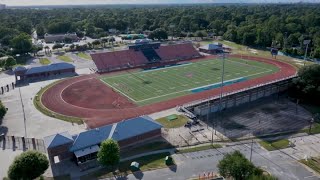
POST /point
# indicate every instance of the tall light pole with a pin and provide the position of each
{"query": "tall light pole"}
(221, 86)
(306, 42)
(285, 41)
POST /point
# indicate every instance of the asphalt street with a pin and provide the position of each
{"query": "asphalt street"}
(190, 165)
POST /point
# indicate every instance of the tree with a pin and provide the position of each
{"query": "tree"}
(22, 43)
(10, 62)
(159, 34)
(109, 153)
(35, 49)
(29, 165)
(201, 34)
(307, 85)
(57, 46)
(236, 165)
(46, 49)
(3, 110)
(96, 43)
(40, 31)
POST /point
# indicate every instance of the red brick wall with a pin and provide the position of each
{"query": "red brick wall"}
(143, 137)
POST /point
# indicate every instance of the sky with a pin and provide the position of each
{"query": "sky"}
(75, 2)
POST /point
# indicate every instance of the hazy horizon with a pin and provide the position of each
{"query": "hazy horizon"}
(93, 2)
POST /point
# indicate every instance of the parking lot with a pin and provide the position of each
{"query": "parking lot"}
(278, 163)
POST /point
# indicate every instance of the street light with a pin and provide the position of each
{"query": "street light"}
(306, 42)
(311, 121)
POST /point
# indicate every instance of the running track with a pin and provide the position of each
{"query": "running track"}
(79, 105)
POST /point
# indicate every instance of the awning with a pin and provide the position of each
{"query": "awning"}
(86, 151)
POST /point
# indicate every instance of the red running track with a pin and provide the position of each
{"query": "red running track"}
(88, 98)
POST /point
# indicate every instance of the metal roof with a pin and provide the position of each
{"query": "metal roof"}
(19, 68)
(50, 67)
(119, 131)
(211, 47)
(134, 127)
(91, 137)
(57, 139)
(86, 151)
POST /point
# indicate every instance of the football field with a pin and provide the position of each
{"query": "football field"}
(155, 85)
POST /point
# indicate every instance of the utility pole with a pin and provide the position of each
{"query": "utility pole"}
(251, 150)
(24, 114)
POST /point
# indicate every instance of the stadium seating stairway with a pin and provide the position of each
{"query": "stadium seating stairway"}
(151, 54)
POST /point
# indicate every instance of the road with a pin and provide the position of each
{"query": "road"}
(191, 165)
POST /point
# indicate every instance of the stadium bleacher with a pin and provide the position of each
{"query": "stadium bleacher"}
(140, 55)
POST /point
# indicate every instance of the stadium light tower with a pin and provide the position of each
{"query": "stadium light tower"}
(221, 85)
(306, 42)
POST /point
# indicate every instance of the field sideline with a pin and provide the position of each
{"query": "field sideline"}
(150, 86)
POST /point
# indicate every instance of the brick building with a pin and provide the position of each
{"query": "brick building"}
(84, 146)
(39, 72)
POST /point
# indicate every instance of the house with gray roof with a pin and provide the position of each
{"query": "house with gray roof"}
(85, 145)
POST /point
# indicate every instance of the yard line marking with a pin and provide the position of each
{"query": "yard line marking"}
(119, 91)
(200, 76)
(194, 88)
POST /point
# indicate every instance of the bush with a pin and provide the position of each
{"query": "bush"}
(29, 165)
(3, 110)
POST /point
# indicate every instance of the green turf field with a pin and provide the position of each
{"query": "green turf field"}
(150, 86)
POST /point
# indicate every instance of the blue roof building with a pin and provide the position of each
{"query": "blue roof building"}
(23, 73)
(85, 145)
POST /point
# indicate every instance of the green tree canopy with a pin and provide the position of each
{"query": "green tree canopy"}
(159, 34)
(57, 46)
(201, 34)
(22, 43)
(10, 62)
(307, 85)
(29, 165)
(109, 153)
(236, 165)
(3, 110)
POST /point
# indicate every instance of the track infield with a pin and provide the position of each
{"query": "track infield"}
(89, 98)
(155, 85)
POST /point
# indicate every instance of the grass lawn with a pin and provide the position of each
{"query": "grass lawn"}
(44, 61)
(154, 146)
(84, 56)
(315, 129)
(313, 163)
(180, 121)
(241, 49)
(199, 148)
(38, 104)
(150, 162)
(65, 58)
(150, 86)
(275, 145)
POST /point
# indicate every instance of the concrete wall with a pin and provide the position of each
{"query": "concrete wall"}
(240, 98)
